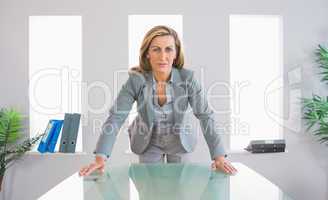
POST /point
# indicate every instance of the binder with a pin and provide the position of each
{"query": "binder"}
(54, 135)
(72, 136)
(42, 148)
(65, 132)
(69, 133)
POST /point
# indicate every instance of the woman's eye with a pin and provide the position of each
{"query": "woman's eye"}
(156, 50)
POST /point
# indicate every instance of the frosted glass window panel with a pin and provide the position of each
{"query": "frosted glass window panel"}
(55, 70)
(256, 76)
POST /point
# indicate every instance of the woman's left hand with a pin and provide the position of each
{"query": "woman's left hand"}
(221, 164)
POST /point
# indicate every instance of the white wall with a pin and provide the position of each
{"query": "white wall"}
(302, 172)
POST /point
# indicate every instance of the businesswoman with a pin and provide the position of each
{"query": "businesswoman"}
(163, 90)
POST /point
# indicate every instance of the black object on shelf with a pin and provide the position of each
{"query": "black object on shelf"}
(266, 146)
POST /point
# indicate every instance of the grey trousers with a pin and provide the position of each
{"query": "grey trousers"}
(164, 148)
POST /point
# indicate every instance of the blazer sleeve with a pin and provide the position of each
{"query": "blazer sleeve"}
(205, 115)
(117, 115)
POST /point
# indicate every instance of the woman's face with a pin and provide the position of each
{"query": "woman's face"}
(161, 54)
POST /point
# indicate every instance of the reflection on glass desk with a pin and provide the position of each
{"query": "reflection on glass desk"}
(167, 181)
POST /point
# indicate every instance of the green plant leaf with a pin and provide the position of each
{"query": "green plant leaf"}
(315, 109)
(10, 131)
(323, 140)
(10, 126)
(322, 60)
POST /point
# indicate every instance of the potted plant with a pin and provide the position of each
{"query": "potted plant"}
(316, 108)
(10, 131)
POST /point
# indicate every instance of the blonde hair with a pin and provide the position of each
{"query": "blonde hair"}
(156, 31)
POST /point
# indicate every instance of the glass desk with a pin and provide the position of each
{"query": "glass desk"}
(167, 181)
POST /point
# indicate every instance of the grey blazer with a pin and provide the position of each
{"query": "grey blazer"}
(138, 88)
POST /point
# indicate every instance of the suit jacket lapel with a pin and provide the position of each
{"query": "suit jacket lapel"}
(149, 99)
(180, 96)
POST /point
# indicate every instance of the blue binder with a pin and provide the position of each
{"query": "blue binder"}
(54, 136)
(42, 148)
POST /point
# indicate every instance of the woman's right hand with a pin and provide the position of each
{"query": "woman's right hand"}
(98, 164)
